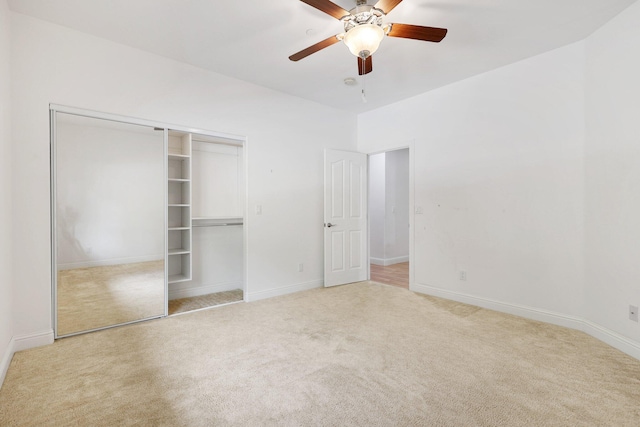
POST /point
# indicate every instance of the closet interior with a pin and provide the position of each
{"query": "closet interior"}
(205, 221)
(147, 220)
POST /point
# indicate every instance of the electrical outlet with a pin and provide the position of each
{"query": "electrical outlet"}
(633, 313)
(301, 267)
(463, 275)
(258, 209)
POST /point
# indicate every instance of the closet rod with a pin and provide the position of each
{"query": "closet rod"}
(217, 225)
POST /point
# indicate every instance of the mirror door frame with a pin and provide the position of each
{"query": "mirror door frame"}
(56, 108)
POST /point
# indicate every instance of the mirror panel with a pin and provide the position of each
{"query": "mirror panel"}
(109, 180)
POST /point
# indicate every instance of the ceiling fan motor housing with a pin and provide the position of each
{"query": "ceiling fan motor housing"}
(363, 14)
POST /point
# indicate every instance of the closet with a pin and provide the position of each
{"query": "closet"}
(147, 219)
(205, 221)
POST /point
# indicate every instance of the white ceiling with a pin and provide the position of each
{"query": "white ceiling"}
(252, 39)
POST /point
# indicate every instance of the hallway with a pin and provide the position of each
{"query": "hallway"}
(395, 274)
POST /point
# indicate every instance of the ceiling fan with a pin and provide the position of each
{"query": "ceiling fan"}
(364, 30)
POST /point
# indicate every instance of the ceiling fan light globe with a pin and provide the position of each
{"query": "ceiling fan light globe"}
(364, 39)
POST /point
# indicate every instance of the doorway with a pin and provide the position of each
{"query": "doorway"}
(389, 218)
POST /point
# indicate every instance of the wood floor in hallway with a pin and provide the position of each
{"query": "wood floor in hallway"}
(395, 274)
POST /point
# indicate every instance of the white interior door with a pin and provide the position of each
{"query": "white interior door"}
(345, 217)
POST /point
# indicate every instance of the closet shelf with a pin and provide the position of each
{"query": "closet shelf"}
(179, 207)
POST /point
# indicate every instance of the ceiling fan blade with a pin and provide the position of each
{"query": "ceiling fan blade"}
(387, 5)
(314, 48)
(417, 32)
(327, 7)
(365, 66)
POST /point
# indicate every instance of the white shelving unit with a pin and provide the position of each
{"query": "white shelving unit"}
(205, 250)
(179, 207)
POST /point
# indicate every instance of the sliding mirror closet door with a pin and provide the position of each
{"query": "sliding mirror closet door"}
(109, 223)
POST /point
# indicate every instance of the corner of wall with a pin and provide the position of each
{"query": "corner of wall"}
(6, 361)
(6, 192)
(22, 343)
(611, 176)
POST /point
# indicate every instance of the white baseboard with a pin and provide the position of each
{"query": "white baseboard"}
(196, 291)
(284, 290)
(113, 261)
(630, 347)
(25, 342)
(515, 309)
(614, 339)
(388, 261)
(6, 361)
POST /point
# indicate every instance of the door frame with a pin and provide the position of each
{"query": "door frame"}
(411, 146)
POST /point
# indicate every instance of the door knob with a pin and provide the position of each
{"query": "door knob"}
(331, 225)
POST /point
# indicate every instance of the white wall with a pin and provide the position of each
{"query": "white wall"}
(286, 138)
(499, 176)
(109, 193)
(377, 207)
(217, 184)
(612, 166)
(528, 178)
(6, 265)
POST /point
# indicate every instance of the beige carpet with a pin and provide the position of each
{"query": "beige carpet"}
(357, 355)
(183, 305)
(95, 297)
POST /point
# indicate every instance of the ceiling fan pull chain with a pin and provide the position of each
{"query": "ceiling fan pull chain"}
(364, 83)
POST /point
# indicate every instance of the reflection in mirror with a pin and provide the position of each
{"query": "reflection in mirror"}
(109, 223)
